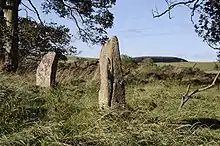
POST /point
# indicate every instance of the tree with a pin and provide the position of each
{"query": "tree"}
(36, 39)
(10, 10)
(1, 37)
(207, 14)
(92, 17)
(218, 56)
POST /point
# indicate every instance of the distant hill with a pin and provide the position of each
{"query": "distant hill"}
(157, 59)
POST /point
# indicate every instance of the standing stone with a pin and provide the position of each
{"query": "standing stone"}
(112, 91)
(46, 71)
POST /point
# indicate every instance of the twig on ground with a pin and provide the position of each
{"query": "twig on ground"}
(188, 95)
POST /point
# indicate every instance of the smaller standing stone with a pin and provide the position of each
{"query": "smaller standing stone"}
(46, 71)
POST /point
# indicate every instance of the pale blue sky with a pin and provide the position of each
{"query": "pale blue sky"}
(141, 35)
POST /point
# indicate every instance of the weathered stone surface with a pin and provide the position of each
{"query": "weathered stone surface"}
(112, 92)
(46, 71)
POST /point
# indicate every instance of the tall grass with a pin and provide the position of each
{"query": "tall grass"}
(69, 116)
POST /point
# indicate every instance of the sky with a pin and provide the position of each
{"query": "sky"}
(140, 34)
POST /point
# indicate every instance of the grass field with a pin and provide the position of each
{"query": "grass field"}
(205, 66)
(69, 116)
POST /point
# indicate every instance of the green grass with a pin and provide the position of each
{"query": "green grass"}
(74, 58)
(69, 115)
(205, 66)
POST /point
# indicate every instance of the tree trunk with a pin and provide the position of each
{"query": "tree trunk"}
(1, 36)
(11, 42)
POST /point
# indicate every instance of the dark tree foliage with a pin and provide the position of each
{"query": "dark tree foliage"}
(208, 26)
(207, 16)
(92, 17)
(218, 56)
(36, 39)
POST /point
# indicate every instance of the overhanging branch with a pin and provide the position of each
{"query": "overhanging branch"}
(74, 10)
(171, 5)
(193, 10)
(36, 11)
(28, 8)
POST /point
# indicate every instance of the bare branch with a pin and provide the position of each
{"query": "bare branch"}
(76, 10)
(77, 24)
(193, 10)
(28, 8)
(35, 9)
(188, 95)
(71, 8)
(168, 4)
(171, 5)
(194, 65)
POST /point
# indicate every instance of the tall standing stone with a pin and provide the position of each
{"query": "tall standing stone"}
(112, 91)
(46, 71)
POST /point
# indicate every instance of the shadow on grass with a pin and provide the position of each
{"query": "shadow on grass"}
(211, 123)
